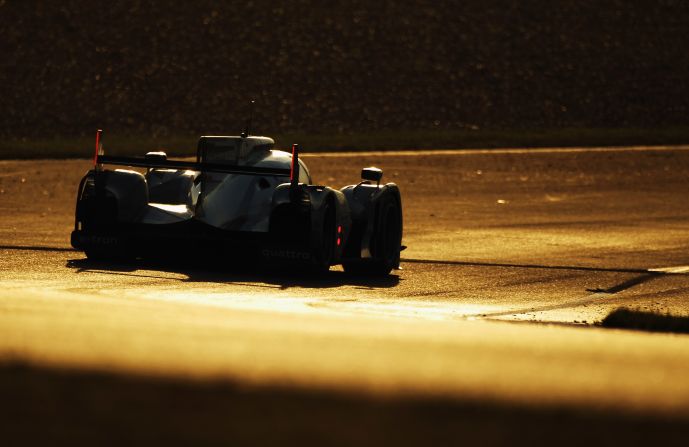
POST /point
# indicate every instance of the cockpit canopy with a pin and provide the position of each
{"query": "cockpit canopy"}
(232, 150)
(247, 151)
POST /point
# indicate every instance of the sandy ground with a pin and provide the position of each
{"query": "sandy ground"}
(557, 238)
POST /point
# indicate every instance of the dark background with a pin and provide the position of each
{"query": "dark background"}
(177, 67)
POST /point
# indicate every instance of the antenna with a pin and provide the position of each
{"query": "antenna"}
(247, 128)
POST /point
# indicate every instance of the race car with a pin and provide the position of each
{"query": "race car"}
(240, 202)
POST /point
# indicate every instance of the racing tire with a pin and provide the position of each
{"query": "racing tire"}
(110, 254)
(386, 242)
(326, 248)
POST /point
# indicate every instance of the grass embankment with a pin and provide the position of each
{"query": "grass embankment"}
(82, 147)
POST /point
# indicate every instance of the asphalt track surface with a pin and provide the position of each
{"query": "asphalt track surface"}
(487, 335)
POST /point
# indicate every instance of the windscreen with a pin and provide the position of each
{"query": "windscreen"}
(221, 151)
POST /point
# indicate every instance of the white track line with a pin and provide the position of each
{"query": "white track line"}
(678, 270)
(552, 150)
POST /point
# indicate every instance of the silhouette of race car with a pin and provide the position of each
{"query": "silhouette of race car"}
(240, 202)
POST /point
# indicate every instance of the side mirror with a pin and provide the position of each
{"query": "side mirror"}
(372, 174)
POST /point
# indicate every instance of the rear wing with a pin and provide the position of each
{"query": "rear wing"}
(159, 161)
(191, 165)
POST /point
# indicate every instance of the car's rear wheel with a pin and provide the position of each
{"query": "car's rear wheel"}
(119, 254)
(326, 243)
(117, 249)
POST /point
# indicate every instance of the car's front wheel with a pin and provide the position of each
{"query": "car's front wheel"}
(386, 242)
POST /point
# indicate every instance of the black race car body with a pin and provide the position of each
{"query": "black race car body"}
(240, 202)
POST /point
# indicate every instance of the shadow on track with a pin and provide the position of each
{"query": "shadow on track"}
(523, 266)
(34, 248)
(51, 406)
(628, 284)
(256, 276)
